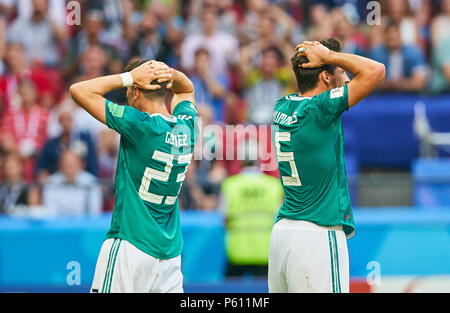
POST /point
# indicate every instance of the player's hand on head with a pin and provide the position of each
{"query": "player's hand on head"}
(143, 75)
(163, 73)
(316, 53)
(158, 64)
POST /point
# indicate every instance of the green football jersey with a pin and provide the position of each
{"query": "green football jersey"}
(155, 151)
(309, 145)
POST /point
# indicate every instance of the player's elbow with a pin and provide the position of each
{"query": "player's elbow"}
(372, 74)
(190, 87)
(75, 92)
(379, 72)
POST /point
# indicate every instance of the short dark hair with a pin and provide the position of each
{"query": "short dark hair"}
(150, 94)
(308, 78)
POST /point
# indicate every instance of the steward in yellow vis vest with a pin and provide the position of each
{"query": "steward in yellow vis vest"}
(251, 201)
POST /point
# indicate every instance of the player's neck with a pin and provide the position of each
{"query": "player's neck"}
(314, 92)
(153, 107)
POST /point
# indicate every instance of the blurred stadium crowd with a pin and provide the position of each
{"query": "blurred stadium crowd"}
(56, 159)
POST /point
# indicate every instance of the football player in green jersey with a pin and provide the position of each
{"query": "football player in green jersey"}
(142, 249)
(308, 248)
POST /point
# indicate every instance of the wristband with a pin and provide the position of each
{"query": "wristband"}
(127, 79)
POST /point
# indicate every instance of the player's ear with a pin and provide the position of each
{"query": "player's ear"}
(326, 77)
(136, 93)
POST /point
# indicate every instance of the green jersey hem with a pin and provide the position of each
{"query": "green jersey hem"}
(348, 229)
(144, 248)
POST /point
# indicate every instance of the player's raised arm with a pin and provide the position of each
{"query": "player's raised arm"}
(182, 89)
(367, 74)
(89, 93)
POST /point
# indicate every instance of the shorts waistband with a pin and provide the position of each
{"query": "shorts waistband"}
(284, 222)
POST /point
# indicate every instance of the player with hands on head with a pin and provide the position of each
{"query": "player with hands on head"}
(308, 247)
(142, 249)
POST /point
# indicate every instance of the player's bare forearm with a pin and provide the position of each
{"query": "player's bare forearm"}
(89, 94)
(367, 74)
(181, 83)
(354, 64)
(182, 88)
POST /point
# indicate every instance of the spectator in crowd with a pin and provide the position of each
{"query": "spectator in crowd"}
(296, 9)
(357, 8)
(202, 184)
(27, 126)
(79, 142)
(71, 191)
(250, 54)
(440, 47)
(191, 196)
(406, 69)
(92, 34)
(83, 122)
(285, 25)
(171, 27)
(249, 24)
(252, 26)
(116, 19)
(94, 63)
(235, 110)
(249, 202)
(210, 170)
(23, 9)
(352, 40)
(18, 69)
(149, 41)
(265, 86)
(318, 28)
(400, 13)
(209, 87)
(227, 20)
(440, 24)
(39, 34)
(222, 47)
(108, 152)
(13, 189)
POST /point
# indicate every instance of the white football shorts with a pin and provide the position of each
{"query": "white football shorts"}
(306, 257)
(121, 267)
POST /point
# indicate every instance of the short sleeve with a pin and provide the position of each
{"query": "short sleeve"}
(185, 108)
(126, 120)
(186, 113)
(331, 104)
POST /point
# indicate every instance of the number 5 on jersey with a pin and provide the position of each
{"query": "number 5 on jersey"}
(294, 179)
